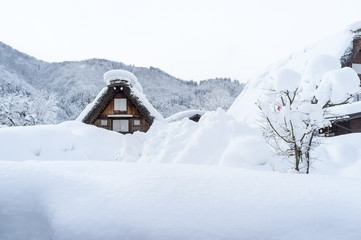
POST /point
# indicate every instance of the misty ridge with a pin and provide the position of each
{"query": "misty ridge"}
(35, 92)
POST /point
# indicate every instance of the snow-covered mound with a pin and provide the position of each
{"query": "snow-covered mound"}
(119, 75)
(313, 62)
(216, 139)
(339, 155)
(66, 141)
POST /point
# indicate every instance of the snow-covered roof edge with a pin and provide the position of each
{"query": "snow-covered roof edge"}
(345, 109)
(91, 105)
(144, 100)
(184, 114)
(355, 27)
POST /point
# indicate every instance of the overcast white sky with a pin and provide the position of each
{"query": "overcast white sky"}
(188, 39)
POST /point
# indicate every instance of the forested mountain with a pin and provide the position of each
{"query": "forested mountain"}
(35, 92)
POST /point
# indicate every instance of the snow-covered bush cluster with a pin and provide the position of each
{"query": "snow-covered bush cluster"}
(20, 107)
(296, 106)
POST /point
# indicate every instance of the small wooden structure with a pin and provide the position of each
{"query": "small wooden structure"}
(193, 115)
(350, 123)
(121, 106)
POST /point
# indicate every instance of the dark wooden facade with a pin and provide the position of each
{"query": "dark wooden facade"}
(131, 117)
(118, 109)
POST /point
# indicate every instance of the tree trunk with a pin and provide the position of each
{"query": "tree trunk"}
(297, 163)
(308, 149)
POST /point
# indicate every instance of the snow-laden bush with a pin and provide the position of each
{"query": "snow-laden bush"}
(295, 107)
(23, 109)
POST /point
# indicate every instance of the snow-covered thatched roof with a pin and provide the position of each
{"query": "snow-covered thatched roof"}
(130, 87)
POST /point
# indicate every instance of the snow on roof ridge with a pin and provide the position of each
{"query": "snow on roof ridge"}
(355, 27)
(120, 75)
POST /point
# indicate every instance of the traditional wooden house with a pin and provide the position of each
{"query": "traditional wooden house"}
(121, 106)
(347, 119)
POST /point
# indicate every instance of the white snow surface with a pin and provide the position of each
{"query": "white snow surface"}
(346, 109)
(119, 75)
(319, 65)
(116, 200)
(337, 84)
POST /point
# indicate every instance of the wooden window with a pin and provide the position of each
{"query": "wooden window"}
(356, 67)
(104, 122)
(136, 122)
(120, 104)
(121, 125)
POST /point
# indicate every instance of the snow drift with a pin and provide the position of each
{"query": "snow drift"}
(216, 139)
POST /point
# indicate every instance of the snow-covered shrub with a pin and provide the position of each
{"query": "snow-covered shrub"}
(296, 105)
(23, 109)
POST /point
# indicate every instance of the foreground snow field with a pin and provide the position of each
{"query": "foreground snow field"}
(115, 200)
